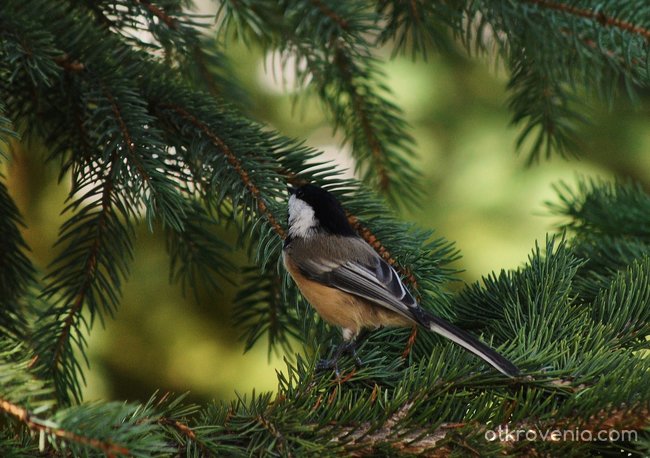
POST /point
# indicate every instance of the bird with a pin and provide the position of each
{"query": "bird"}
(350, 285)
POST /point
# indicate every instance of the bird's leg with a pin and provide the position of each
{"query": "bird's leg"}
(333, 362)
(349, 345)
(354, 343)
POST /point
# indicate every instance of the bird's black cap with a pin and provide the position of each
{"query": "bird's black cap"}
(327, 209)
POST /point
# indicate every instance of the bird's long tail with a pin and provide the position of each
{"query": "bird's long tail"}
(468, 342)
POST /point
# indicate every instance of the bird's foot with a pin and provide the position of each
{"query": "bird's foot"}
(327, 365)
(332, 363)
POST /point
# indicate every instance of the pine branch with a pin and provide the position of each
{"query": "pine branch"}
(83, 273)
(113, 429)
(16, 269)
(338, 61)
(235, 163)
(609, 227)
(585, 50)
(304, 417)
(263, 305)
(197, 255)
(606, 257)
(37, 424)
(163, 199)
(598, 16)
(630, 291)
(601, 208)
(6, 130)
(547, 108)
(198, 55)
(421, 25)
(159, 13)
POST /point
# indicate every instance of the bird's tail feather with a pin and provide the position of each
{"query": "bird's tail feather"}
(468, 342)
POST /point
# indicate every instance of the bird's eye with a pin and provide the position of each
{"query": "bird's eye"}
(300, 193)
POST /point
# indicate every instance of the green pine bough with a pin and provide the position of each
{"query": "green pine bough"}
(139, 109)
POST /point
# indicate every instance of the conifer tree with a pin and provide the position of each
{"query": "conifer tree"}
(140, 112)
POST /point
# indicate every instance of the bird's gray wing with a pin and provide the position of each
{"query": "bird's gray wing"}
(361, 272)
(371, 278)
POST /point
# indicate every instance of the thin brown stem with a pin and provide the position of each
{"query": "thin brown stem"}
(37, 424)
(327, 11)
(159, 13)
(410, 342)
(186, 431)
(68, 64)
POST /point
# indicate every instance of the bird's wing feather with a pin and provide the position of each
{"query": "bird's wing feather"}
(371, 278)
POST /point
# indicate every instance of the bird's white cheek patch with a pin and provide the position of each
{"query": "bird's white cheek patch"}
(302, 219)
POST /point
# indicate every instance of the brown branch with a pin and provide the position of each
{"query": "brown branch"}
(415, 11)
(68, 64)
(327, 11)
(410, 342)
(159, 13)
(413, 441)
(600, 17)
(421, 441)
(36, 424)
(234, 161)
(186, 431)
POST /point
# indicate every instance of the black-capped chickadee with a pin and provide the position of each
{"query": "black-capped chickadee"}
(350, 285)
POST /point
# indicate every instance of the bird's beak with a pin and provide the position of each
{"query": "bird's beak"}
(291, 190)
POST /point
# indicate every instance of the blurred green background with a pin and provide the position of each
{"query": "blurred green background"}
(479, 194)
